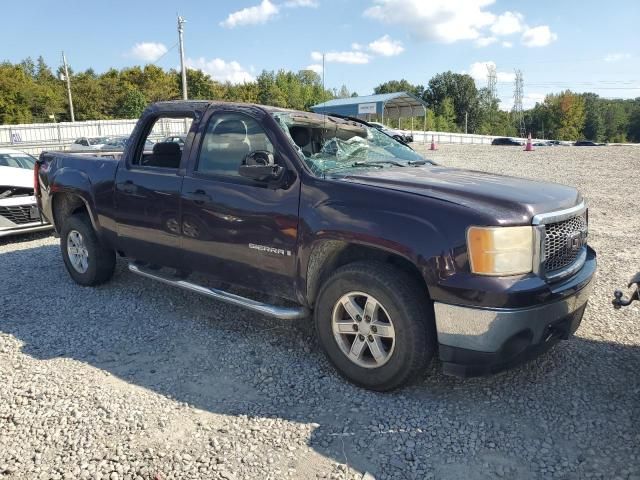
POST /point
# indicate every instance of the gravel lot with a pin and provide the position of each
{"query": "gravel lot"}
(138, 380)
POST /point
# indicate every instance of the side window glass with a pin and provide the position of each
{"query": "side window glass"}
(228, 139)
(164, 154)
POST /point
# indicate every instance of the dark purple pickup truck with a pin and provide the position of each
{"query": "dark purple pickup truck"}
(396, 259)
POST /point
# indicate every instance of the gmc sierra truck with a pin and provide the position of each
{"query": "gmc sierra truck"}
(396, 258)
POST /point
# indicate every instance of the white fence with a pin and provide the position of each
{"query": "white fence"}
(35, 137)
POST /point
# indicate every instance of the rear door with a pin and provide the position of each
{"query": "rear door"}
(236, 229)
(147, 192)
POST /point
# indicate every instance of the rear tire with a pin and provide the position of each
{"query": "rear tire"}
(87, 262)
(394, 353)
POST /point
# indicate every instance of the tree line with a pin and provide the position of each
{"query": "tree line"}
(31, 92)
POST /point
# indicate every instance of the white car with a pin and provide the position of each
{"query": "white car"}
(397, 134)
(18, 210)
(89, 143)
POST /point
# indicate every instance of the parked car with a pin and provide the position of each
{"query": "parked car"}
(587, 143)
(179, 139)
(507, 141)
(18, 210)
(88, 143)
(397, 134)
(119, 143)
(396, 258)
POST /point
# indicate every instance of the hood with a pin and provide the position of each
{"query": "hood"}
(507, 200)
(16, 177)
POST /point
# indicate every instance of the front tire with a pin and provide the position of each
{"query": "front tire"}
(87, 262)
(376, 325)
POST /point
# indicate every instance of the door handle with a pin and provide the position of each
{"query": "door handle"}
(129, 187)
(199, 197)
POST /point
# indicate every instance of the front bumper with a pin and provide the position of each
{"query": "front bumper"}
(16, 216)
(477, 341)
(29, 228)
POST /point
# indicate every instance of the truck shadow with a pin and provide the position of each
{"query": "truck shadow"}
(226, 361)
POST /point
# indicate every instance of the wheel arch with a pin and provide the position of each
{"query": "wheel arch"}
(65, 204)
(329, 255)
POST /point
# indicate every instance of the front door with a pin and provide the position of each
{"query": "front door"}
(147, 198)
(236, 229)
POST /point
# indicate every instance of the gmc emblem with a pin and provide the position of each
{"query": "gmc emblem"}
(575, 241)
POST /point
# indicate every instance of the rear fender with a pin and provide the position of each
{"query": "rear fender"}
(75, 184)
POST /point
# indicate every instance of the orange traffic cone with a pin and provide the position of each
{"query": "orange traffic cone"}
(529, 147)
(433, 144)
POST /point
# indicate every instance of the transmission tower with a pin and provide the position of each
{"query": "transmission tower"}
(518, 111)
(492, 80)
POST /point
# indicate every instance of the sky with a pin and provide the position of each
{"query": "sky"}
(557, 44)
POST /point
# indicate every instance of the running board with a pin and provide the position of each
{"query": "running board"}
(283, 313)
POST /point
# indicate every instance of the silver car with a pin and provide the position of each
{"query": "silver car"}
(18, 210)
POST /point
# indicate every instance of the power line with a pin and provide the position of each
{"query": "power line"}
(164, 54)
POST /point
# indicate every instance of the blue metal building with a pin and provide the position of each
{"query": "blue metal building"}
(395, 105)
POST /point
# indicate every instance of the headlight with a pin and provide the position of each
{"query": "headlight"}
(500, 250)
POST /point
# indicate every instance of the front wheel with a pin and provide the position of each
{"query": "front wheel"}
(375, 324)
(87, 262)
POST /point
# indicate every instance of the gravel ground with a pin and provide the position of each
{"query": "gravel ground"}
(138, 380)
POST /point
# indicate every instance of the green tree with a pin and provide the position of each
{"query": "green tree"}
(446, 120)
(15, 94)
(403, 85)
(594, 122)
(462, 91)
(633, 127)
(615, 121)
(133, 104)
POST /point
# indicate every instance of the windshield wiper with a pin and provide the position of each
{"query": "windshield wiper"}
(377, 163)
(418, 162)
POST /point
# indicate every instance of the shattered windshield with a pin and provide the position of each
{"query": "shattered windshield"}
(331, 144)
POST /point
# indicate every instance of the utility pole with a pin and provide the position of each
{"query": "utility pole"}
(66, 77)
(323, 90)
(466, 121)
(181, 22)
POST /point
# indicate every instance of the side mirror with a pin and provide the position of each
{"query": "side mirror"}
(261, 167)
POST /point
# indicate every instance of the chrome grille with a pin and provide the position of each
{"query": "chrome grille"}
(564, 241)
(18, 214)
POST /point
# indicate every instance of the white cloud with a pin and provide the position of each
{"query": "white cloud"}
(353, 57)
(529, 100)
(356, 46)
(221, 70)
(540, 36)
(485, 41)
(314, 67)
(444, 21)
(301, 3)
(508, 23)
(147, 51)
(449, 21)
(616, 57)
(478, 71)
(386, 46)
(255, 15)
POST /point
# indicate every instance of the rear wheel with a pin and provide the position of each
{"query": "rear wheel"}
(87, 262)
(375, 324)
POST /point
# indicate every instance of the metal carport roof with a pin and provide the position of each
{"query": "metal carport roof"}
(390, 105)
